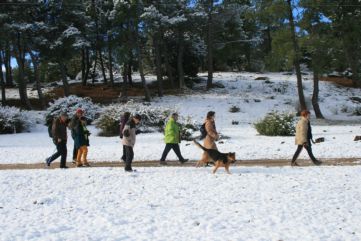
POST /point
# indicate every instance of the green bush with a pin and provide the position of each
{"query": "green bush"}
(153, 118)
(12, 120)
(69, 105)
(276, 124)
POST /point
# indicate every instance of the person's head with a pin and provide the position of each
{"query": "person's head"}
(306, 114)
(63, 116)
(211, 115)
(83, 120)
(137, 118)
(175, 116)
(79, 113)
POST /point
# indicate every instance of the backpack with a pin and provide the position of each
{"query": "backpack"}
(203, 131)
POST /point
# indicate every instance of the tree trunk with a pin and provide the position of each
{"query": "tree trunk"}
(210, 45)
(95, 66)
(129, 68)
(64, 78)
(2, 81)
(296, 59)
(315, 104)
(35, 61)
(7, 62)
(169, 69)
(125, 83)
(353, 63)
(20, 59)
(180, 61)
(269, 40)
(158, 63)
(83, 67)
(140, 55)
(102, 66)
(87, 67)
(110, 60)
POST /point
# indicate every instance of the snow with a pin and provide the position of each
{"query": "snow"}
(258, 203)
(188, 203)
(240, 90)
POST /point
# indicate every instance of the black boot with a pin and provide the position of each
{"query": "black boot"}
(317, 162)
(294, 164)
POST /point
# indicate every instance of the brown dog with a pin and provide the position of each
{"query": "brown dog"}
(220, 159)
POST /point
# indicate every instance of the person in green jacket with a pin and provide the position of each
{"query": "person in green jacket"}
(172, 138)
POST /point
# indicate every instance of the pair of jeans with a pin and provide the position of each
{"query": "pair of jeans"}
(60, 151)
(176, 149)
(308, 149)
(129, 155)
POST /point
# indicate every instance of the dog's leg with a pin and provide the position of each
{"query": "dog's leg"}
(199, 163)
(227, 168)
(216, 167)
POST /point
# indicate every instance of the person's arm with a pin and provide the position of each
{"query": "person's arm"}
(211, 131)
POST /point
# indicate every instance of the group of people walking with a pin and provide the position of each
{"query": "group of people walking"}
(172, 137)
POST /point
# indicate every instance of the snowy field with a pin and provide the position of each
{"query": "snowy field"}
(258, 203)
(170, 203)
(255, 98)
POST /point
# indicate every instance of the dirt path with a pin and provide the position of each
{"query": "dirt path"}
(259, 162)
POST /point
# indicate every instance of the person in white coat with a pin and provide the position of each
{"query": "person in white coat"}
(304, 138)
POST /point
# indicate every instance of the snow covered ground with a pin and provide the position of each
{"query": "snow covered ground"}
(258, 203)
(175, 203)
(255, 98)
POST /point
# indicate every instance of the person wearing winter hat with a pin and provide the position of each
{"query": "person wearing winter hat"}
(81, 142)
(128, 141)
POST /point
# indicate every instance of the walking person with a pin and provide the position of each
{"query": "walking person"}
(172, 138)
(81, 142)
(59, 134)
(211, 137)
(129, 138)
(304, 138)
(73, 126)
(124, 119)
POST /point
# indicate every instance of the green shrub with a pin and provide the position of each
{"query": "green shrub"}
(69, 105)
(153, 118)
(276, 124)
(12, 120)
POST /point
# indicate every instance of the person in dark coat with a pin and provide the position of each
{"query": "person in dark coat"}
(81, 142)
(59, 134)
(304, 138)
(73, 125)
(123, 121)
(129, 138)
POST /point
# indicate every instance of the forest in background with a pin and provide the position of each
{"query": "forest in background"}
(54, 40)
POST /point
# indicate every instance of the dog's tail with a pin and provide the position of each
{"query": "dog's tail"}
(200, 146)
